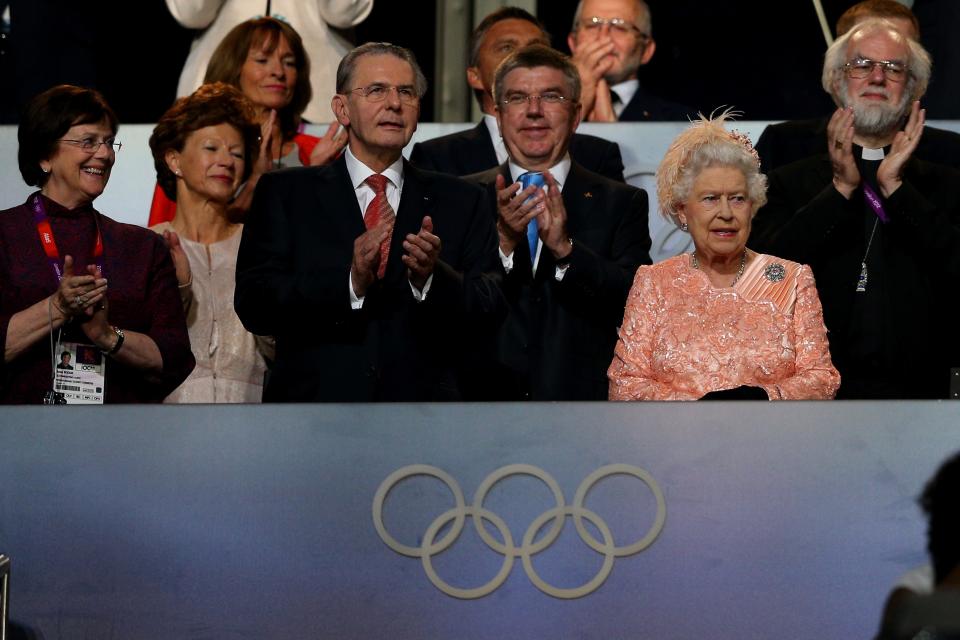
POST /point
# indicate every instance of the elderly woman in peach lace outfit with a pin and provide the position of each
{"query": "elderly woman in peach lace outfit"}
(721, 322)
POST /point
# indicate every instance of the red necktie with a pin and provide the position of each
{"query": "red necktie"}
(379, 209)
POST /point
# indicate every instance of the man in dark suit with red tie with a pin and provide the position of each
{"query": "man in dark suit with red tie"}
(569, 251)
(480, 148)
(368, 271)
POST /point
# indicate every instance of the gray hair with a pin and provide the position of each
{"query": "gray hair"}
(349, 64)
(707, 144)
(537, 55)
(918, 62)
(644, 22)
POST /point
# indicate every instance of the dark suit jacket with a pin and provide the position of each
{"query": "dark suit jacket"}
(471, 151)
(786, 142)
(558, 339)
(646, 107)
(293, 283)
(918, 260)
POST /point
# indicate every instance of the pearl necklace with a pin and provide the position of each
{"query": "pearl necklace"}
(743, 263)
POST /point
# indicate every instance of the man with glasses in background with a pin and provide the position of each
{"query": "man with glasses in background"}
(569, 240)
(879, 227)
(610, 41)
(480, 148)
(369, 272)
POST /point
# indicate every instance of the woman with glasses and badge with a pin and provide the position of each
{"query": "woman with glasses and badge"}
(74, 281)
(721, 322)
(203, 147)
(265, 59)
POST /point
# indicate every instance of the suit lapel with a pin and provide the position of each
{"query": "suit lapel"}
(634, 110)
(577, 198)
(336, 194)
(416, 201)
(484, 151)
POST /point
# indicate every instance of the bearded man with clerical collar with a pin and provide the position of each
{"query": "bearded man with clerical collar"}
(879, 227)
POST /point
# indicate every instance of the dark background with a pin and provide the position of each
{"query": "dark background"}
(763, 58)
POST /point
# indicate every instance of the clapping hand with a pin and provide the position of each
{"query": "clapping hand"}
(593, 60)
(366, 254)
(846, 175)
(515, 210)
(422, 251)
(329, 146)
(890, 171)
(552, 221)
(96, 326)
(79, 295)
(181, 263)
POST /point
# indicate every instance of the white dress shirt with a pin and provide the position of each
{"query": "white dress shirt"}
(498, 146)
(625, 91)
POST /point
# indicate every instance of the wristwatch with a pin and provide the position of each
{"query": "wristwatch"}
(119, 343)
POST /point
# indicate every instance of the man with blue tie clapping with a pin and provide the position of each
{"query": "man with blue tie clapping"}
(570, 240)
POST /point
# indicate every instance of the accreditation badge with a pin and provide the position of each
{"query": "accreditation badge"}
(80, 373)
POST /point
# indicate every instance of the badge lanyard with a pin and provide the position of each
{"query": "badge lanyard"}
(69, 387)
(49, 244)
(873, 200)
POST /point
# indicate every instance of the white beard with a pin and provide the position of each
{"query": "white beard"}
(877, 119)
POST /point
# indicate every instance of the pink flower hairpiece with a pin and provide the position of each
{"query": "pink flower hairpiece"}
(744, 141)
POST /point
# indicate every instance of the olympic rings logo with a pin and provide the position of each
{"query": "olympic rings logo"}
(430, 546)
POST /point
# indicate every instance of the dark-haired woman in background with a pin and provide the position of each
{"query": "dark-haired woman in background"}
(203, 147)
(265, 59)
(70, 275)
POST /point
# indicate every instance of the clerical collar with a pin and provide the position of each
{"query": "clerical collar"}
(873, 154)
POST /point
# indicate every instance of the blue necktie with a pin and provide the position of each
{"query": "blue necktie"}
(527, 179)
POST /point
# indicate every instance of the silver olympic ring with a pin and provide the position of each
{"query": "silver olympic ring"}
(528, 547)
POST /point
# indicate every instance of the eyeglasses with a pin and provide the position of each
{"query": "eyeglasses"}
(860, 68)
(379, 92)
(618, 26)
(91, 144)
(547, 99)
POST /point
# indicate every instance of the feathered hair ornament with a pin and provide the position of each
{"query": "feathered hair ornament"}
(702, 132)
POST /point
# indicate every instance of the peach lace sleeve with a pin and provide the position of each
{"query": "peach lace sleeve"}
(816, 378)
(631, 373)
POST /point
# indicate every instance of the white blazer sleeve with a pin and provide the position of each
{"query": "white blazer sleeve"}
(344, 13)
(194, 14)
